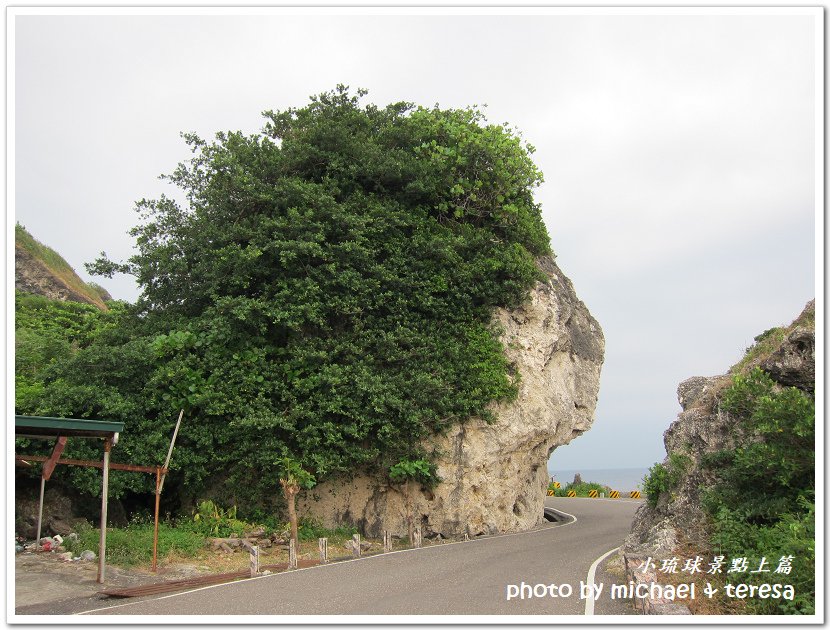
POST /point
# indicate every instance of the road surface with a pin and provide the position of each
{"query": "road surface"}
(468, 578)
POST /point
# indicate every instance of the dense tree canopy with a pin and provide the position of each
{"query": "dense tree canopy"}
(324, 294)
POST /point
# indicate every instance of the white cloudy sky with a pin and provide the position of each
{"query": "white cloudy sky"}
(679, 153)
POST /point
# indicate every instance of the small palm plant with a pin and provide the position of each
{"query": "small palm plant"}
(293, 478)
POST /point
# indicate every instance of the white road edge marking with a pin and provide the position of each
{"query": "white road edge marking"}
(589, 603)
(331, 564)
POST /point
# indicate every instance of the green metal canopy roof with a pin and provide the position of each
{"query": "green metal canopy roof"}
(38, 426)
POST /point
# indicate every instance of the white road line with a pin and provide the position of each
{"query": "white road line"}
(589, 603)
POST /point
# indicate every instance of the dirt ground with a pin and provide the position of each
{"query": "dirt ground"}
(46, 586)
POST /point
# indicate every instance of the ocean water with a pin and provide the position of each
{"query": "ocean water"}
(622, 479)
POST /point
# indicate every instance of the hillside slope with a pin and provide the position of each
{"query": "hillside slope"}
(740, 462)
(41, 270)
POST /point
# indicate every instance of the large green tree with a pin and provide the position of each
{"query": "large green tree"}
(324, 292)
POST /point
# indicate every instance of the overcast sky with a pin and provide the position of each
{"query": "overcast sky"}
(678, 151)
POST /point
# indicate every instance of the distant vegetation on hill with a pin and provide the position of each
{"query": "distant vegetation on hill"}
(56, 314)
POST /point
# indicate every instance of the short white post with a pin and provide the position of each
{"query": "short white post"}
(417, 542)
(323, 544)
(292, 554)
(254, 560)
(356, 545)
(387, 542)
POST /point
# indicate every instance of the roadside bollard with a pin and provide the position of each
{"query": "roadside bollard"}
(323, 544)
(254, 561)
(356, 545)
(387, 542)
(292, 554)
(417, 541)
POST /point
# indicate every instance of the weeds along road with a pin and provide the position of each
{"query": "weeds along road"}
(469, 578)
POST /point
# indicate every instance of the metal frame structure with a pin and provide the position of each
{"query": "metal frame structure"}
(60, 429)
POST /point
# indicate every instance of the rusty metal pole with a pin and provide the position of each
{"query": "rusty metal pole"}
(102, 543)
(156, 528)
(48, 468)
(170, 450)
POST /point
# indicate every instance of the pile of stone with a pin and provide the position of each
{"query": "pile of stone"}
(256, 538)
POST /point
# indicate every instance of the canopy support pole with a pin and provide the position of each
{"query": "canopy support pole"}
(102, 544)
(48, 468)
(156, 528)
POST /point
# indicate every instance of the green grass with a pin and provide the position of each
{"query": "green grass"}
(133, 545)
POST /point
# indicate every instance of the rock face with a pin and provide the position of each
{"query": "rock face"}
(494, 475)
(58, 514)
(32, 276)
(701, 428)
(698, 429)
(794, 363)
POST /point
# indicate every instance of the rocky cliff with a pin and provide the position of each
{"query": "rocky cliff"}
(42, 271)
(494, 475)
(787, 355)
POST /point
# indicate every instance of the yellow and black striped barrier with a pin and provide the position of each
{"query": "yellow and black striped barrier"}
(571, 493)
(635, 494)
(593, 494)
(550, 493)
(557, 485)
(614, 494)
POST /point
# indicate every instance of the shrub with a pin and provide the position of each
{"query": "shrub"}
(763, 503)
(213, 520)
(582, 488)
(663, 477)
(655, 483)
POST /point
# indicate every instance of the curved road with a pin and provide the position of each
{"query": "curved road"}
(469, 578)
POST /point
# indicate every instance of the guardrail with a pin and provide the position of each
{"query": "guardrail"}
(596, 494)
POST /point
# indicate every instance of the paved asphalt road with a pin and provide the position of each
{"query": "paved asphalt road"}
(469, 578)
